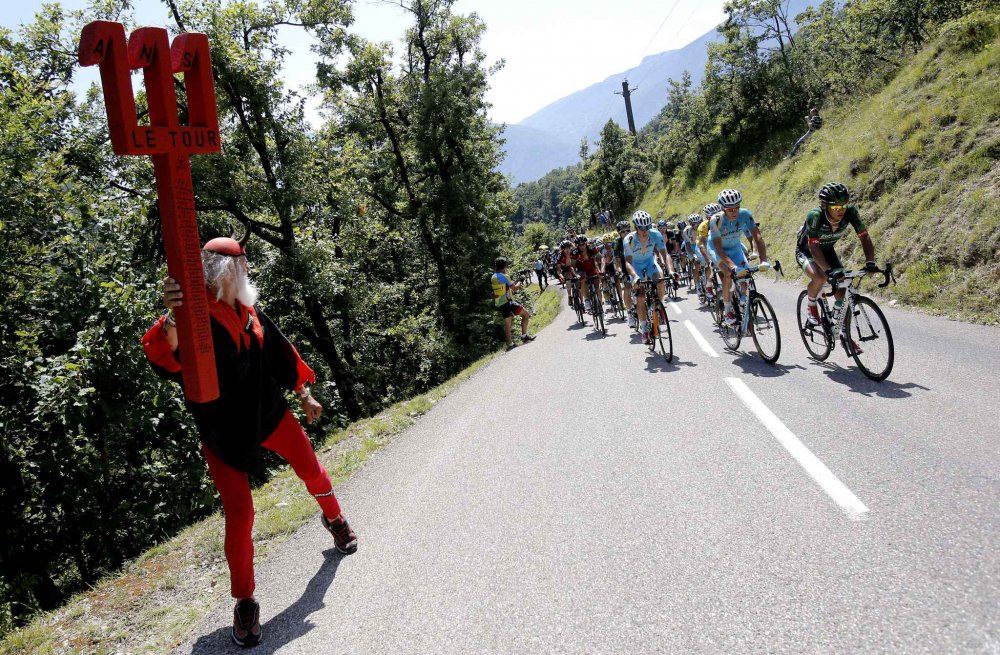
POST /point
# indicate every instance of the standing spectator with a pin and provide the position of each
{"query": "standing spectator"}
(813, 123)
(539, 266)
(256, 366)
(504, 301)
(603, 218)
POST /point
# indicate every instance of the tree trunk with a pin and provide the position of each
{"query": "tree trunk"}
(321, 338)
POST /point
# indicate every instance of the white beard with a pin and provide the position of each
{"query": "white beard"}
(246, 292)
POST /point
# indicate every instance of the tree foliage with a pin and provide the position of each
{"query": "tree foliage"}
(764, 75)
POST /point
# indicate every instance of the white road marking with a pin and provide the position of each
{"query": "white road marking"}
(674, 306)
(700, 339)
(813, 466)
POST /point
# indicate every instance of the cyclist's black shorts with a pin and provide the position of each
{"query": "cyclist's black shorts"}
(609, 268)
(510, 309)
(804, 257)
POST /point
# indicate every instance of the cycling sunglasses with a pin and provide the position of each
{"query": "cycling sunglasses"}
(644, 229)
(837, 207)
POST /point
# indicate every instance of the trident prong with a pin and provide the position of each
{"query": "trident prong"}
(170, 144)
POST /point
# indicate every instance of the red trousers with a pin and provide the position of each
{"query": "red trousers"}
(291, 442)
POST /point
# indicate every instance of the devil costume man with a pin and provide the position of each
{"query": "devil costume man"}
(256, 367)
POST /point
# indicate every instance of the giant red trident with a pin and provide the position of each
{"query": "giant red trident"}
(171, 145)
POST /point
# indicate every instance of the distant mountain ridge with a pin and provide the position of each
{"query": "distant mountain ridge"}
(583, 113)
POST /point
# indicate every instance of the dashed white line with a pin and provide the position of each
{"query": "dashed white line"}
(700, 339)
(674, 306)
(812, 465)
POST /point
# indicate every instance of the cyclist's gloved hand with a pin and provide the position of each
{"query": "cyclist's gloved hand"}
(871, 267)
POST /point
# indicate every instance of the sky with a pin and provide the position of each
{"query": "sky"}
(551, 48)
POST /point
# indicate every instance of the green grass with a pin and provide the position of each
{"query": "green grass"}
(922, 159)
(156, 600)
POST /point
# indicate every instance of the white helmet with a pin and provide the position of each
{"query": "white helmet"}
(712, 209)
(730, 198)
(641, 219)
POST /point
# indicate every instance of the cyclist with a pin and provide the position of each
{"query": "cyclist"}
(564, 267)
(725, 232)
(689, 240)
(626, 289)
(585, 259)
(607, 251)
(711, 211)
(822, 229)
(643, 248)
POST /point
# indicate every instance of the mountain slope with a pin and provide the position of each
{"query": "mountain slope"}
(532, 153)
(922, 159)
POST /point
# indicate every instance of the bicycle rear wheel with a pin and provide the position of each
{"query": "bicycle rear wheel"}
(867, 329)
(764, 329)
(662, 336)
(816, 339)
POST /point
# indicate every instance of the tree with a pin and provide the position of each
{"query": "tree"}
(617, 172)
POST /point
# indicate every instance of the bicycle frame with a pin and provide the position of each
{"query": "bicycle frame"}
(850, 283)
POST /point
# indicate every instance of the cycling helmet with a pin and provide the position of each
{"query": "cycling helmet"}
(662, 224)
(681, 225)
(730, 198)
(693, 218)
(598, 243)
(642, 219)
(622, 225)
(610, 236)
(834, 193)
(565, 243)
(712, 209)
(581, 239)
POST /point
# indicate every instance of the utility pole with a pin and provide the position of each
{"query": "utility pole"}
(627, 94)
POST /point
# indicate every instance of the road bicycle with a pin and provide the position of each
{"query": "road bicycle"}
(596, 302)
(754, 316)
(617, 303)
(659, 324)
(575, 300)
(859, 324)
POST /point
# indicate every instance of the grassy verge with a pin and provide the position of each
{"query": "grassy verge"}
(922, 159)
(154, 602)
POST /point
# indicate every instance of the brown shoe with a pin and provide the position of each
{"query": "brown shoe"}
(344, 538)
(246, 623)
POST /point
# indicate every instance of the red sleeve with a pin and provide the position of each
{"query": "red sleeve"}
(158, 350)
(302, 370)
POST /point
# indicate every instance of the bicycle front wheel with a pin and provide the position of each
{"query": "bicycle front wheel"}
(869, 339)
(764, 329)
(661, 330)
(815, 337)
(732, 334)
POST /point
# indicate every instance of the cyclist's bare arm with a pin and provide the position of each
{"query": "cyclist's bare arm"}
(868, 247)
(758, 240)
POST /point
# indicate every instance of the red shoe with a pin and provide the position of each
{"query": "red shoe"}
(246, 623)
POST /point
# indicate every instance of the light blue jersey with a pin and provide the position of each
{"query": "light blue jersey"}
(731, 231)
(644, 259)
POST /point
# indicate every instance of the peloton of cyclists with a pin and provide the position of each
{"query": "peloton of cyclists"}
(586, 260)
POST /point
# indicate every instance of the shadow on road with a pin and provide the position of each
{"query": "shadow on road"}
(286, 626)
(856, 381)
(754, 365)
(657, 363)
(595, 336)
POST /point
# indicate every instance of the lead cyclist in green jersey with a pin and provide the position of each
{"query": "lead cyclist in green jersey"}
(823, 227)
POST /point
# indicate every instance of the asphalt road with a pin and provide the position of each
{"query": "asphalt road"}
(581, 496)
